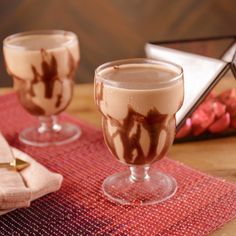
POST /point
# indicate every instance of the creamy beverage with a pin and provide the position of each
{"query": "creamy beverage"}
(138, 103)
(43, 68)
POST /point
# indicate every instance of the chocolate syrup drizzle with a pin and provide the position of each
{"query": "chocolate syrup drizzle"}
(48, 77)
(99, 92)
(154, 123)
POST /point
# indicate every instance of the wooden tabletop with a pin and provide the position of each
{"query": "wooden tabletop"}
(214, 157)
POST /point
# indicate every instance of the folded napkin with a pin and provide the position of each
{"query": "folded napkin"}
(19, 188)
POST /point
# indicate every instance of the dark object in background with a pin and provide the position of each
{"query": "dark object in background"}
(213, 115)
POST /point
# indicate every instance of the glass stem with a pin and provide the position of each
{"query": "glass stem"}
(139, 173)
(48, 124)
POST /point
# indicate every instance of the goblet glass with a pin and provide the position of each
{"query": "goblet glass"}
(43, 65)
(138, 99)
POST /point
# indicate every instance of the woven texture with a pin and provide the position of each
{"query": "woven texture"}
(201, 204)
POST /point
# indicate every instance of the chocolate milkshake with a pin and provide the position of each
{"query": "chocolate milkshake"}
(43, 68)
(138, 103)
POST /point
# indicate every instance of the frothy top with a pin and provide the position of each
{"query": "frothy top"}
(138, 76)
(38, 41)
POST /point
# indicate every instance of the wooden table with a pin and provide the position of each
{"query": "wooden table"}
(214, 157)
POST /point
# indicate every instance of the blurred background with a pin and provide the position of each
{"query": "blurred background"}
(115, 29)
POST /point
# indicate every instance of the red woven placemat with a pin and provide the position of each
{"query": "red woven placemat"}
(201, 205)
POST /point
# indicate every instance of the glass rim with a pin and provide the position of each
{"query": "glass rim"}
(7, 44)
(177, 68)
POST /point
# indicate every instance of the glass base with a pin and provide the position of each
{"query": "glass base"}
(121, 188)
(58, 135)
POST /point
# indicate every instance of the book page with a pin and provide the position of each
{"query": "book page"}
(228, 56)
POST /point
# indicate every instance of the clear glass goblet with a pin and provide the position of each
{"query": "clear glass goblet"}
(138, 99)
(43, 65)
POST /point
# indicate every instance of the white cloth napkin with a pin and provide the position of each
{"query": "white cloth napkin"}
(18, 189)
